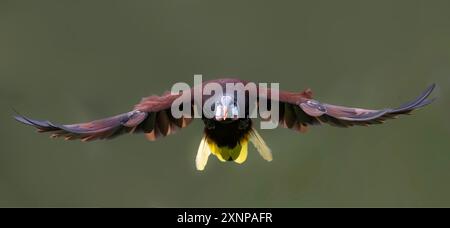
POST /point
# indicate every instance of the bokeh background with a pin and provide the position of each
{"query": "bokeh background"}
(73, 61)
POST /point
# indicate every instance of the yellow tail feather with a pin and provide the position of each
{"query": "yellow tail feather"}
(202, 154)
(260, 145)
(242, 155)
(237, 154)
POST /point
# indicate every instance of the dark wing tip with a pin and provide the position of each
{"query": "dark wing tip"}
(98, 129)
(41, 125)
(368, 116)
(23, 120)
(417, 103)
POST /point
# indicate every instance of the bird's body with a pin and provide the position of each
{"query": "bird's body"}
(228, 140)
(228, 134)
(228, 131)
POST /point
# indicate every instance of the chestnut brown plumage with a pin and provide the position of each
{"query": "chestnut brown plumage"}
(227, 140)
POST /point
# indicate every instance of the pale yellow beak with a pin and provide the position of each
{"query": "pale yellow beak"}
(225, 112)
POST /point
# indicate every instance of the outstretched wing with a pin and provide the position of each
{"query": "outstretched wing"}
(152, 116)
(299, 111)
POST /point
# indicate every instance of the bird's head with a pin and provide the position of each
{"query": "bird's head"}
(226, 109)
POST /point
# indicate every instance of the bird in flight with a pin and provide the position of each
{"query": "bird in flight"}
(228, 131)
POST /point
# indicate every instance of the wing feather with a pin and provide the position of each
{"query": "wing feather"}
(152, 116)
(307, 111)
(98, 129)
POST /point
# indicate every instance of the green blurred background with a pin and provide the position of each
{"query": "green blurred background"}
(73, 61)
